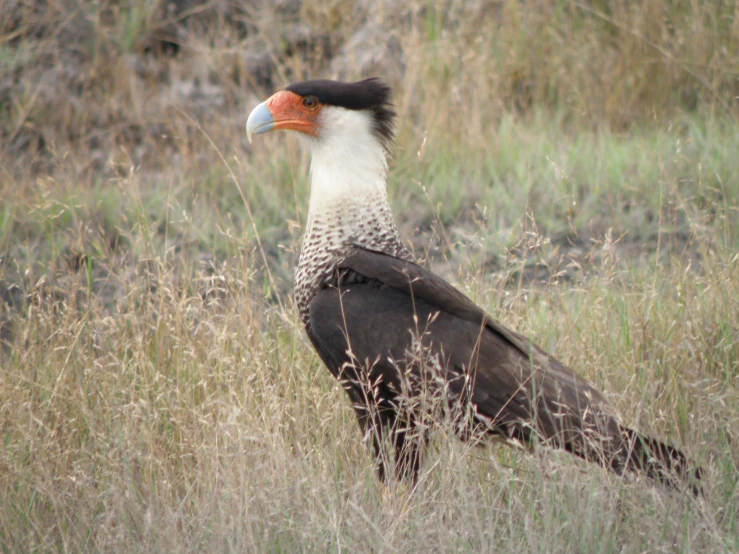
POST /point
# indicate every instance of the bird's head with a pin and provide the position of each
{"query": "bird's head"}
(328, 111)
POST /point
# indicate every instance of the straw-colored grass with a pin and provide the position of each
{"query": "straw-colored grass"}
(570, 165)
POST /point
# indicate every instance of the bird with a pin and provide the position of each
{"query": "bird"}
(411, 350)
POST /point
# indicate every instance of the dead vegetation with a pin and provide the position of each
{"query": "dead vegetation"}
(571, 165)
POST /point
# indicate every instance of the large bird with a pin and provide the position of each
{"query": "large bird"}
(409, 348)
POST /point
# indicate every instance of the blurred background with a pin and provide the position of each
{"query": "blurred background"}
(572, 165)
(568, 109)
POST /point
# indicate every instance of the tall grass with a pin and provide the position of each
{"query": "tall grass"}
(570, 165)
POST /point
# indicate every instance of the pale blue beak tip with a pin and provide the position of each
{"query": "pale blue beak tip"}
(260, 121)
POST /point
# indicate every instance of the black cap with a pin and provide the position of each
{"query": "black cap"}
(370, 95)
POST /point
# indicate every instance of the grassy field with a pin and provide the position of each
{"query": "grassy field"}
(572, 166)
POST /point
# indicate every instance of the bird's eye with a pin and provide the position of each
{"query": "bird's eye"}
(310, 102)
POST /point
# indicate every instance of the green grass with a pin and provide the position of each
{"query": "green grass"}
(157, 400)
(157, 391)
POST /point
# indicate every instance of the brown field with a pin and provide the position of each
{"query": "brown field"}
(573, 166)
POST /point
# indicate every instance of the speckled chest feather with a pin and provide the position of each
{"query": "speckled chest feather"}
(331, 235)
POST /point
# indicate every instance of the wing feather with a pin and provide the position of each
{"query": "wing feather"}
(514, 383)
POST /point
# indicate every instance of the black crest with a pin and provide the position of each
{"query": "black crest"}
(371, 95)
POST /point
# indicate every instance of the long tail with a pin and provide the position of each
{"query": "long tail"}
(622, 449)
(658, 461)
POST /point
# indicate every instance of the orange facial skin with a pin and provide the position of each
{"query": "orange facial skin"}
(294, 112)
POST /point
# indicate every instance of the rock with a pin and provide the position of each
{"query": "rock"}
(260, 66)
(372, 51)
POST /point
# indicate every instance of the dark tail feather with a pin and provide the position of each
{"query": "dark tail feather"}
(658, 461)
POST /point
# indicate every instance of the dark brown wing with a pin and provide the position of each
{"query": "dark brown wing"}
(508, 369)
(380, 308)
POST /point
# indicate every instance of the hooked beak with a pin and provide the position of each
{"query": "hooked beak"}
(283, 110)
(260, 121)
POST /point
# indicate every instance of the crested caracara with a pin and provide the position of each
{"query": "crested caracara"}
(408, 347)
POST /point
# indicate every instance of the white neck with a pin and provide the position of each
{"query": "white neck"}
(348, 201)
(348, 165)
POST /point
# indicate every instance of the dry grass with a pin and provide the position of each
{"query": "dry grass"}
(157, 393)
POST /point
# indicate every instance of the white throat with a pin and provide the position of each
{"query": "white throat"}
(348, 166)
(348, 201)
